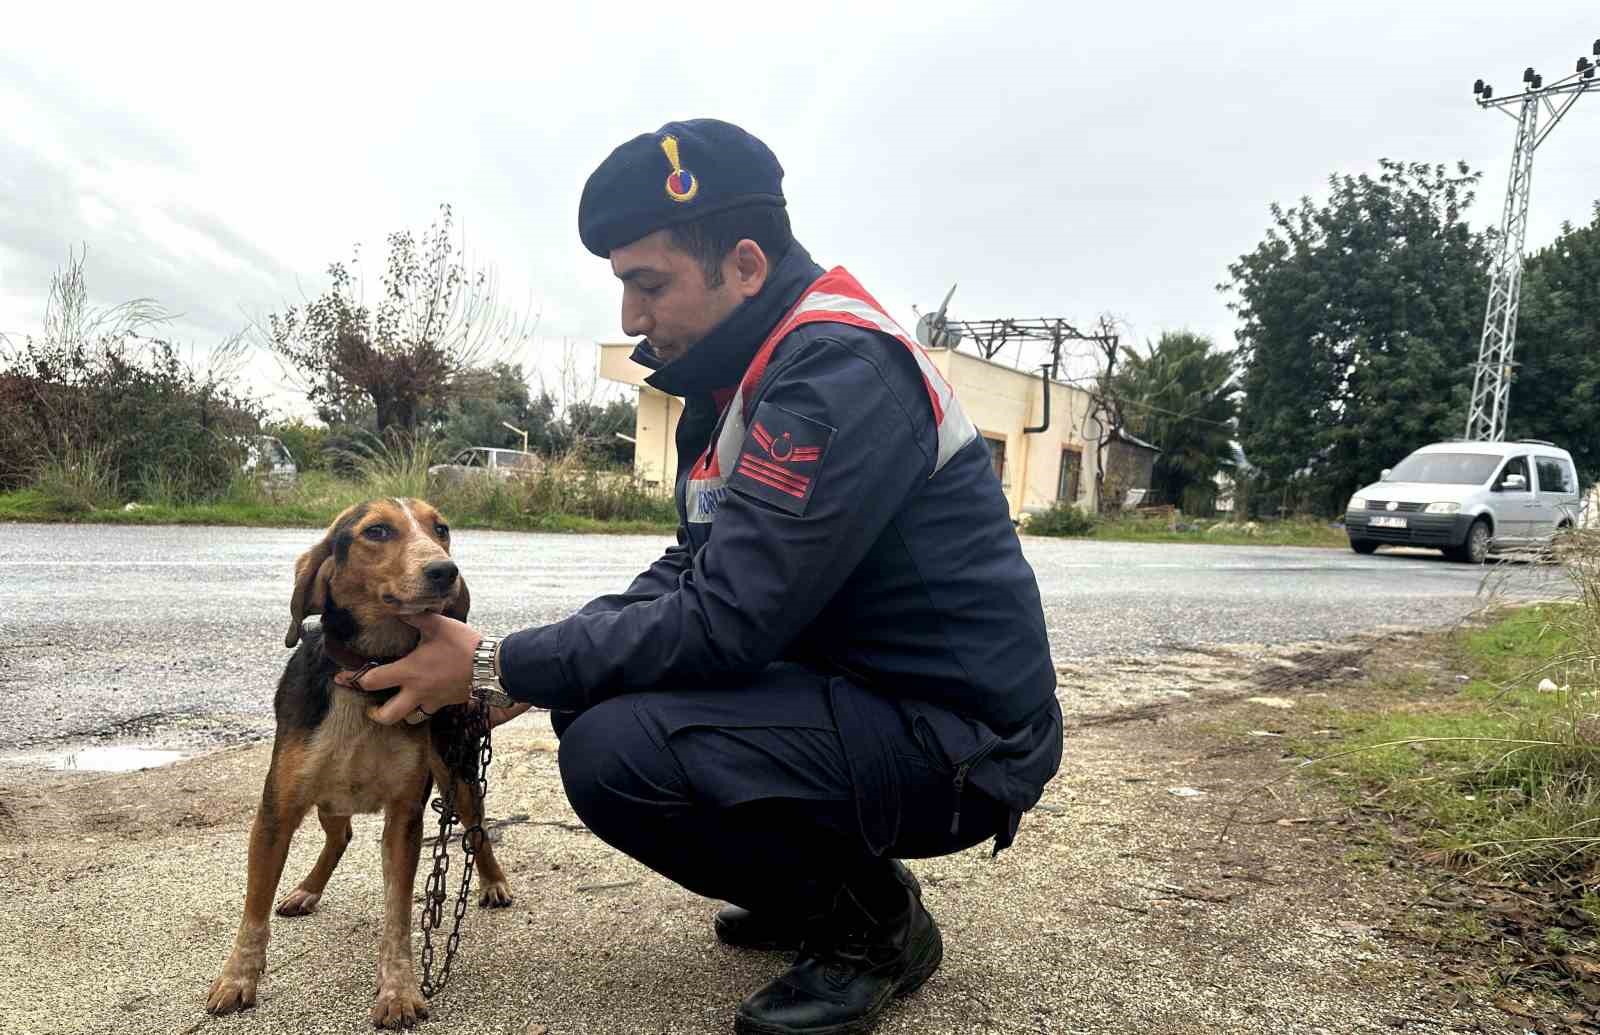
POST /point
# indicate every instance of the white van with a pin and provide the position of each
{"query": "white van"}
(1468, 499)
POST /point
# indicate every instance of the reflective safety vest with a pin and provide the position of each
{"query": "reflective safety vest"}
(835, 297)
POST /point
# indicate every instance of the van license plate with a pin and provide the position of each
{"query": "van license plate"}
(1388, 522)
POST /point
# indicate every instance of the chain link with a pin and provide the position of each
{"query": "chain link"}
(475, 736)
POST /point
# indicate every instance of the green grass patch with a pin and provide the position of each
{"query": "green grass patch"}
(1163, 529)
(1499, 777)
(558, 500)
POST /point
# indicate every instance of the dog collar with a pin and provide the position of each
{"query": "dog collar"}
(346, 658)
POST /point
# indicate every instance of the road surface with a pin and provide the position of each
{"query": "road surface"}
(173, 636)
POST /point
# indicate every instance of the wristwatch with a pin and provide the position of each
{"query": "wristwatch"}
(486, 685)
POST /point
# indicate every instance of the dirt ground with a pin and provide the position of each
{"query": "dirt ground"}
(1176, 878)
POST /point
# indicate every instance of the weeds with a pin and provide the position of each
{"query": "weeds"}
(567, 494)
(1062, 519)
(1502, 777)
(76, 480)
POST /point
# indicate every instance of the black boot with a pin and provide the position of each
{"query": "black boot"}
(850, 966)
(743, 929)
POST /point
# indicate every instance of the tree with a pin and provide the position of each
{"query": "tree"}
(1556, 393)
(592, 429)
(1180, 399)
(490, 398)
(435, 319)
(1360, 321)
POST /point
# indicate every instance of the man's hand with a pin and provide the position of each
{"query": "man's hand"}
(498, 716)
(437, 673)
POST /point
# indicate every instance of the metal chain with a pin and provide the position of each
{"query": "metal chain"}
(475, 735)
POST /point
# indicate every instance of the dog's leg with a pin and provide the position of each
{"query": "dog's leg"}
(493, 889)
(400, 1003)
(304, 898)
(276, 819)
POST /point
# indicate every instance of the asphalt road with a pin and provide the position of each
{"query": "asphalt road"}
(174, 636)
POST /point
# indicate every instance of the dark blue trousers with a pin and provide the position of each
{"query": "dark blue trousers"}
(745, 793)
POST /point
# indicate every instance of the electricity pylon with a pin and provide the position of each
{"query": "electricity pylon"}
(1491, 382)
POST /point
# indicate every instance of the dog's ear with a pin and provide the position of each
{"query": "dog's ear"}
(311, 574)
(461, 604)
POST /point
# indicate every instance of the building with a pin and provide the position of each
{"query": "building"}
(1040, 458)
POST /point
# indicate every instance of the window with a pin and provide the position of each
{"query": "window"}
(1517, 465)
(1444, 468)
(997, 452)
(1067, 480)
(1553, 475)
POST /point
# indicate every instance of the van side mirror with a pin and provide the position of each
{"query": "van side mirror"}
(1514, 483)
(1383, 475)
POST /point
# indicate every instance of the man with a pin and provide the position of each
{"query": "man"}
(842, 662)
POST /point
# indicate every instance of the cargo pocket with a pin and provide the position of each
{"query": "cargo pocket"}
(953, 743)
(866, 724)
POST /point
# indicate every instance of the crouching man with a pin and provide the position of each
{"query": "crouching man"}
(842, 662)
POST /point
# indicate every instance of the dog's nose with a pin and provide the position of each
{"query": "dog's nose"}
(441, 573)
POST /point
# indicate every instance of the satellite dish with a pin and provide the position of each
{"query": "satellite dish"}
(934, 330)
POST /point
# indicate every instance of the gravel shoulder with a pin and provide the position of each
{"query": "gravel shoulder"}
(1123, 906)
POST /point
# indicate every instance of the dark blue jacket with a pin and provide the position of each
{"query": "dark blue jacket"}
(912, 590)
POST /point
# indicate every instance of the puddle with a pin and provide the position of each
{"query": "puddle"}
(112, 758)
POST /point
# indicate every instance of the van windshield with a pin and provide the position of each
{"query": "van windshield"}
(1446, 468)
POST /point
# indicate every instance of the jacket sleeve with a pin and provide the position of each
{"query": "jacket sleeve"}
(766, 570)
(660, 578)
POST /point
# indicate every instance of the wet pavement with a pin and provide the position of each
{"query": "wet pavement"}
(171, 638)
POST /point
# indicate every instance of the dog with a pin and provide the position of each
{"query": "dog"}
(378, 560)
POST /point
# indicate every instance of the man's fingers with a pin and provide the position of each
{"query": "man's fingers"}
(426, 623)
(498, 716)
(384, 677)
(397, 708)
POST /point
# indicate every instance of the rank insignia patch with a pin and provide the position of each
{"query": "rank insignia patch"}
(781, 458)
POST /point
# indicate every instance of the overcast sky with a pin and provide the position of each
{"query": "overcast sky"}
(1060, 159)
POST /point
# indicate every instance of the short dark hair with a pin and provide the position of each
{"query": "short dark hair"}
(709, 240)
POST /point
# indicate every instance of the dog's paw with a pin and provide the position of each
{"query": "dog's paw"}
(299, 902)
(232, 991)
(399, 1004)
(495, 894)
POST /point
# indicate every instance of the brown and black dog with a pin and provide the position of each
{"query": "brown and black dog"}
(379, 560)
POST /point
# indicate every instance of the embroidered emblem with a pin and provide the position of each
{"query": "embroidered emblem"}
(682, 185)
(783, 449)
(781, 458)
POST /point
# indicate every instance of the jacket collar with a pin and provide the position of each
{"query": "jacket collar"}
(719, 359)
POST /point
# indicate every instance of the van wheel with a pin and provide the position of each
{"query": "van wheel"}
(1363, 546)
(1475, 550)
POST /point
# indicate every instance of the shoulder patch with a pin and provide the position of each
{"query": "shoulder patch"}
(781, 458)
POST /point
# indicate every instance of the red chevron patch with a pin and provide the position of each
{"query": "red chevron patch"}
(781, 458)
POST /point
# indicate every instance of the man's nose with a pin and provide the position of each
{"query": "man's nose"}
(635, 321)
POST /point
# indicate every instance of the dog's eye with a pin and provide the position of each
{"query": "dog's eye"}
(377, 533)
(443, 530)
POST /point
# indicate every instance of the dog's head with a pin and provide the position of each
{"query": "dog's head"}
(377, 561)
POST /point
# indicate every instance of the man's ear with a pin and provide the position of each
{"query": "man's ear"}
(750, 268)
(311, 574)
(461, 604)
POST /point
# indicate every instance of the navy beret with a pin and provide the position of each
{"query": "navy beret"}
(682, 171)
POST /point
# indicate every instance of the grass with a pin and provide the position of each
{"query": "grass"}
(1215, 532)
(1500, 779)
(564, 496)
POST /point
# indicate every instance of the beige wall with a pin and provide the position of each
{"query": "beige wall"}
(654, 458)
(1001, 401)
